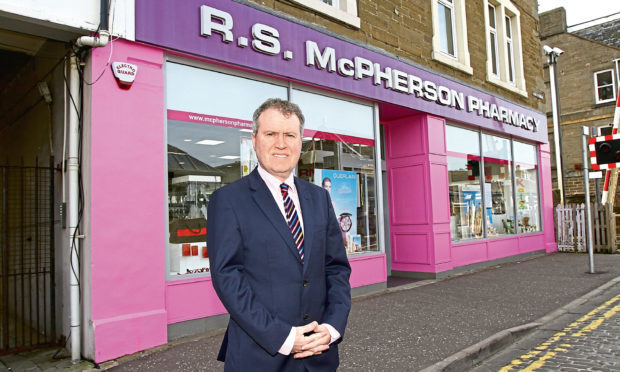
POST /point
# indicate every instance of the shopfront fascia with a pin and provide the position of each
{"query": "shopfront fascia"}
(203, 66)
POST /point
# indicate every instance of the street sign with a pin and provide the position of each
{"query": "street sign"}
(605, 152)
(595, 175)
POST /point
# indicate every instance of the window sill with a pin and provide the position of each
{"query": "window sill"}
(331, 12)
(613, 100)
(442, 58)
(505, 85)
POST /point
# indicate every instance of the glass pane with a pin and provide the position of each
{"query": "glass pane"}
(209, 145)
(347, 171)
(499, 206)
(605, 93)
(194, 90)
(464, 182)
(511, 77)
(340, 156)
(462, 140)
(494, 53)
(526, 179)
(445, 29)
(525, 153)
(604, 78)
(328, 114)
(465, 197)
(508, 28)
(201, 158)
(491, 16)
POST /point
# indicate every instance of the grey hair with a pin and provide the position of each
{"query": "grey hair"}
(286, 108)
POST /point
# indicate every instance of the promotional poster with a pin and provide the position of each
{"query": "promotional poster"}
(342, 186)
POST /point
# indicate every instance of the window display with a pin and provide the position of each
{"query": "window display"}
(466, 208)
(209, 135)
(498, 181)
(482, 196)
(351, 189)
(526, 179)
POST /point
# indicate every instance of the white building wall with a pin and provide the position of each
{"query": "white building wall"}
(78, 15)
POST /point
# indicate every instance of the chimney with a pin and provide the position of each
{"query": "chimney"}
(552, 22)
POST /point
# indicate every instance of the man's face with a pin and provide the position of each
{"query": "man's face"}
(277, 143)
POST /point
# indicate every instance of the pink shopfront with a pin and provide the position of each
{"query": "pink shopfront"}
(429, 176)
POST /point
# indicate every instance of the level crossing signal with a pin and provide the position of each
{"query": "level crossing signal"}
(605, 152)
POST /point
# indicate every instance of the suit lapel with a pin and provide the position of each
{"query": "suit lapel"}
(264, 199)
(307, 211)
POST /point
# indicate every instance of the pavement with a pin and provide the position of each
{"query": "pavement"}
(450, 324)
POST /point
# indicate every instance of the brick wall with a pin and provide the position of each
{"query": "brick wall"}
(404, 28)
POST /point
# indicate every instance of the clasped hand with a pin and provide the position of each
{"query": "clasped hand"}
(313, 344)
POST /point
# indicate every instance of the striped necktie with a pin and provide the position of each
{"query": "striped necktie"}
(293, 220)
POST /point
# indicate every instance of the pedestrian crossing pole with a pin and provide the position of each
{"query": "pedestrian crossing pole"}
(585, 132)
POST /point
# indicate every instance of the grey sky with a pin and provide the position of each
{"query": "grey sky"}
(578, 11)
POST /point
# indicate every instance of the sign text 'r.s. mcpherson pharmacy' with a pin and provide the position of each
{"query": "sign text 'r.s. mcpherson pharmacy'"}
(265, 39)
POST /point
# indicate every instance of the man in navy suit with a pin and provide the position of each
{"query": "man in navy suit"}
(278, 262)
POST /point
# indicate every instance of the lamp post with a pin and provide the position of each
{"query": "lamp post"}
(552, 55)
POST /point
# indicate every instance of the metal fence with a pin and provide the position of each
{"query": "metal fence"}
(571, 228)
(27, 308)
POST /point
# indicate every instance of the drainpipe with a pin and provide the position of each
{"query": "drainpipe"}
(72, 178)
(94, 41)
(73, 167)
(104, 33)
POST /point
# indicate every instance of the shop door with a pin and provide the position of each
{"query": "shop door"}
(26, 257)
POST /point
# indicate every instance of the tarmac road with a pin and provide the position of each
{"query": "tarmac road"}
(585, 338)
(410, 329)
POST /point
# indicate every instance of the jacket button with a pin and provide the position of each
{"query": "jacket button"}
(305, 283)
(306, 316)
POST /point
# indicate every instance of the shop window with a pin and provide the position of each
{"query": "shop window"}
(499, 201)
(486, 185)
(341, 158)
(342, 10)
(504, 48)
(450, 34)
(209, 145)
(604, 88)
(526, 183)
(466, 208)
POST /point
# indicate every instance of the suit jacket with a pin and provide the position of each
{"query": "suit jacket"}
(259, 276)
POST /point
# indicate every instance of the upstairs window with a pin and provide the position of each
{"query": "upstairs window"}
(493, 40)
(510, 51)
(604, 89)
(445, 12)
(341, 10)
(504, 49)
(450, 34)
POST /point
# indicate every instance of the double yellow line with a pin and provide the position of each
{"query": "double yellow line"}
(562, 341)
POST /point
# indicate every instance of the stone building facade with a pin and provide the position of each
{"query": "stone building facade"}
(588, 88)
(405, 29)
